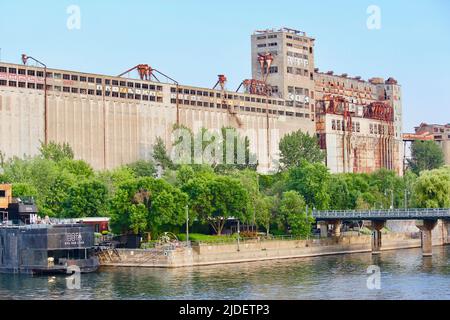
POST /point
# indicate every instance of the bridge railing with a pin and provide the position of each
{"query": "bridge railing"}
(382, 214)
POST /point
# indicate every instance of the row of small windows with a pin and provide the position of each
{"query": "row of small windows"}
(73, 77)
(225, 96)
(340, 126)
(273, 69)
(270, 36)
(297, 104)
(145, 98)
(347, 84)
(378, 129)
(93, 92)
(297, 55)
(22, 72)
(247, 109)
(296, 38)
(440, 129)
(263, 45)
(298, 90)
(305, 49)
(301, 72)
(38, 86)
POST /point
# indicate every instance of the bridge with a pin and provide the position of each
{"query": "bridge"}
(426, 220)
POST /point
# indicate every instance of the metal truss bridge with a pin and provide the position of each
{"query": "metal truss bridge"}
(395, 214)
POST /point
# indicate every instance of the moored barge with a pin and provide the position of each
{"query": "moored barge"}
(33, 246)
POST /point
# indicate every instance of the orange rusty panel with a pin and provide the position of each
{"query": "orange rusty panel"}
(258, 87)
(5, 195)
(418, 137)
(379, 111)
(320, 126)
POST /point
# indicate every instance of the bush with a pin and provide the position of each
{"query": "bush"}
(249, 234)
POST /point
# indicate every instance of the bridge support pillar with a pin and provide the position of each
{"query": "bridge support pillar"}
(426, 227)
(445, 225)
(376, 227)
(337, 226)
(323, 229)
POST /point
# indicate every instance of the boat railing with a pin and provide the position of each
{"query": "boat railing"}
(40, 225)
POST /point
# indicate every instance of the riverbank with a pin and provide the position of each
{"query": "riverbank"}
(259, 250)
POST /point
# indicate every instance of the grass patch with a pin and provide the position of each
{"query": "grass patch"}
(207, 238)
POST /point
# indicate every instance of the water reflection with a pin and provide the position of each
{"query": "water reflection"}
(405, 274)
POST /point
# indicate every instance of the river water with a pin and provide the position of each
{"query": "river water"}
(404, 274)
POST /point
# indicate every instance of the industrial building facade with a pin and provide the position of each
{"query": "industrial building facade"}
(110, 121)
(440, 134)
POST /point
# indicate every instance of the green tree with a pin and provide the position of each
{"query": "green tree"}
(138, 218)
(297, 147)
(409, 181)
(432, 189)
(78, 168)
(249, 179)
(311, 180)
(115, 178)
(87, 198)
(45, 176)
(240, 157)
(293, 211)
(215, 199)
(52, 202)
(264, 209)
(340, 197)
(56, 151)
(386, 186)
(164, 205)
(143, 168)
(425, 155)
(161, 156)
(184, 174)
(24, 189)
(2, 159)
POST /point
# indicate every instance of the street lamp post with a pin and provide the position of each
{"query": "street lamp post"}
(239, 235)
(392, 197)
(407, 194)
(187, 224)
(25, 60)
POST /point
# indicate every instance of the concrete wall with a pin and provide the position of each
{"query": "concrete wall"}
(440, 233)
(205, 254)
(108, 132)
(129, 132)
(21, 121)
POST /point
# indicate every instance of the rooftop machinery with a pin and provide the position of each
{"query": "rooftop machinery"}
(221, 82)
(146, 73)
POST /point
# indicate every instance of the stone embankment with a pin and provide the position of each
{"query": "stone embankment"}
(258, 250)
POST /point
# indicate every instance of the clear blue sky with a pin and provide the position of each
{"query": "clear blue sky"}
(193, 41)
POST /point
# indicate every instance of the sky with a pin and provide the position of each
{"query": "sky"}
(195, 40)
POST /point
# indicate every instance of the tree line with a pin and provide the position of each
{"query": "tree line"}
(153, 196)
